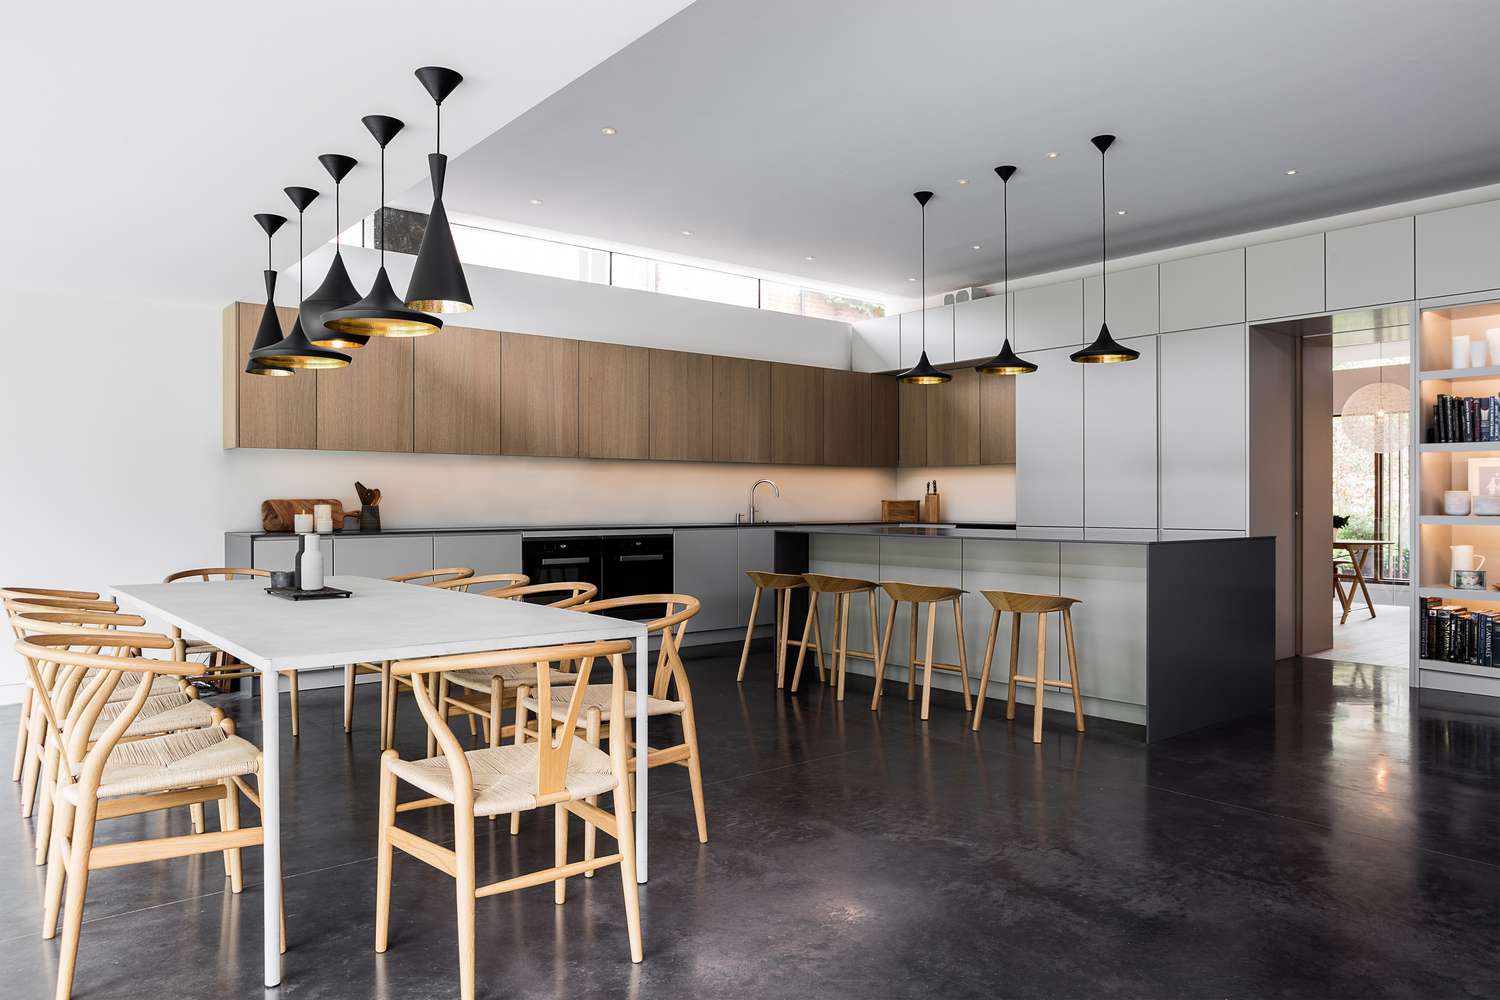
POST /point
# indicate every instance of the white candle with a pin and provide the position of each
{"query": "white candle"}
(302, 523)
(1477, 353)
(323, 511)
(1460, 351)
(1492, 335)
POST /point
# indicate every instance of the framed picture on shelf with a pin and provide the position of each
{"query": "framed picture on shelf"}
(1484, 476)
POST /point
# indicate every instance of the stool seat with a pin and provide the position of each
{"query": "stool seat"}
(1027, 604)
(920, 592)
(821, 584)
(775, 581)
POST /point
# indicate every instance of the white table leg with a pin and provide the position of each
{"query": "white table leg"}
(270, 819)
(642, 751)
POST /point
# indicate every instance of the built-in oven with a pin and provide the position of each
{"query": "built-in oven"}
(638, 564)
(562, 560)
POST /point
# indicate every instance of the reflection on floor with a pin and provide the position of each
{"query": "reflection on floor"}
(1384, 640)
(1348, 846)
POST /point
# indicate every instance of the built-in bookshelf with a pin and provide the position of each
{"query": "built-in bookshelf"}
(1456, 632)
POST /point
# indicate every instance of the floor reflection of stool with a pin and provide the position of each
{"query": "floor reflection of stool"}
(915, 594)
(781, 586)
(1040, 605)
(842, 588)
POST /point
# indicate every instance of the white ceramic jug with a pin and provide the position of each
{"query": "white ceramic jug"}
(1463, 558)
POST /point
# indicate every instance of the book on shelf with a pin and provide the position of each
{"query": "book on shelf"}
(1465, 419)
(1456, 634)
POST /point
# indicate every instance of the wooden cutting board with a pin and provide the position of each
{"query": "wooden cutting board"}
(900, 510)
(276, 515)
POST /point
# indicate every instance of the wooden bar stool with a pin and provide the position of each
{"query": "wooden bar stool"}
(781, 585)
(1040, 605)
(922, 594)
(842, 588)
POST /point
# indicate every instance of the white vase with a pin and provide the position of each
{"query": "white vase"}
(1492, 337)
(312, 563)
(1477, 353)
(1460, 351)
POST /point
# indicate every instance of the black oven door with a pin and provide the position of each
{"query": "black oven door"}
(638, 564)
(561, 560)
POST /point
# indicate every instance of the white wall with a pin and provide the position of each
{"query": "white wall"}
(982, 493)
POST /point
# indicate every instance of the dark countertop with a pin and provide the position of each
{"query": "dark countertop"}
(584, 529)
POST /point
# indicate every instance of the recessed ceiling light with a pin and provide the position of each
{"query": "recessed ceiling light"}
(962, 181)
(1051, 156)
(809, 257)
(1291, 173)
(1121, 211)
(976, 247)
(608, 130)
(536, 201)
(687, 232)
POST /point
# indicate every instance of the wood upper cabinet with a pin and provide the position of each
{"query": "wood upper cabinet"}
(997, 420)
(884, 422)
(953, 420)
(367, 406)
(456, 401)
(614, 401)
(742, 410)
(846, 418)
(911, 415)
(538, 396)
(796, 415)
(264, 411)
(682, 406)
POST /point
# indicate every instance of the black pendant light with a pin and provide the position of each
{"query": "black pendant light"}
(336, 291)
(269, 331)
(1007, 362)
(1105, 349)
(382, 313)
(922, 373)
(294, 350)
(438, 284)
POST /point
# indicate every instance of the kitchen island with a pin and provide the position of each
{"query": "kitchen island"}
(1172, 636)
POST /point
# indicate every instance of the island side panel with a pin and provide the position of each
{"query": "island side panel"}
(1109, 628)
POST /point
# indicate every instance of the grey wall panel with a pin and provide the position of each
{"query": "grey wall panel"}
(487, 552)
(1134, 303)
(1203, 429)
(275, 553)
(1203, 291)
(1119, 441)
(381, 556)
(1284, 278)
(1049, 441)
(705, 564)
(1049, 316)
(1371, 265)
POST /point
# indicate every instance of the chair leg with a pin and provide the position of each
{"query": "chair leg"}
(818, 649)
(497, 700)
(36, 752)
(1015, 665)
(521, 695)
(843, 640)
(57, 866)
(963, 658)
(783, 626)
(229, 819)
(463, 879)
(384, 852)
(911, 656)
(439, 698)
(749, 633)
(291, 683)
(46, 784)
(1041, 678)
(983, 693)
(349, 698)
(23, 733)
(590, 831)
(695, 769)
(1067, 616)
(882, 651)
(195, 810)
(560, 851)
(807, 626)
(388, 692)
(80, 847)
(927, 664)
(625, 825)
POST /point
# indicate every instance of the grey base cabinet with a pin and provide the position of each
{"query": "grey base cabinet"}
(757, 549)
(381, 556)
(497, 552)
(706, 566)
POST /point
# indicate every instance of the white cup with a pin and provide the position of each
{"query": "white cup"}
(1456, 503)
(302, 523)
(1460, 351)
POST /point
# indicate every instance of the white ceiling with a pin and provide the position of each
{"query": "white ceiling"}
(143, 137)
(778, 129)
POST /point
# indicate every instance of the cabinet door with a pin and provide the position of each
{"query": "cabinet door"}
(706, 566)
(953, 420)
(981, 327)
(483, 552)
(274, 553)
(1119, 434)
(1202, 411)
(846, 418)
(742, 410)
(796, 415)
(614, 405)
(1370, 265)
(381, 556)
(997, 419)
(538, 396)
(1203, 291)
(271, 411)
(456, 399)
(1134, 301)
(1284, 278)
(1049, 442)
(939, 320)
(911, 437)
(876, 344)
(885, 422)
(1458, 250)
(757, 548)
(682, 406)
(1049, 316)
(368, 405)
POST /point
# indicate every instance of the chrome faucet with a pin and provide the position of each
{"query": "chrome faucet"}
(750, 502)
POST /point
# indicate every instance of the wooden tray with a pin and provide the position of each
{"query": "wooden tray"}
(900, 510)
(293, 594)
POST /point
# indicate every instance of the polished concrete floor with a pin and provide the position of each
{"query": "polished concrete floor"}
(1349, 846)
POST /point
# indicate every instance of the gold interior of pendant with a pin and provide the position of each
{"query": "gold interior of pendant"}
(264, 369)
(381, 326)
(336, 342)
(304, 361)
(1105, 359)
(925, 379)
(1005, 370)
(440, 306)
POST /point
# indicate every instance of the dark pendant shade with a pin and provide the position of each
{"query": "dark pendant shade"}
(268, 333)
(922, 373)
(1105, 350)
(438, 284)
(1007, 362)
(381, 314)
(295, 352)
(336, 292)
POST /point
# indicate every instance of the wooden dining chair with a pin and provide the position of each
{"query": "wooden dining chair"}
(103, 778)
(445, 577)
(486, 582)
(670, 679)
(561, 770)
(223, 667)
(555, 595)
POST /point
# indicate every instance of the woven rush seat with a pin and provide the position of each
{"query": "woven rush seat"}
(179, 760)
(514, 676)
(505, 777)
(126, 688)
(597, 696)
(163, 713)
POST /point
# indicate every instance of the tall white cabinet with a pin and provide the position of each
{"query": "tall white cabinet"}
(1119, 440)
(1203, 410)
(1049, 442)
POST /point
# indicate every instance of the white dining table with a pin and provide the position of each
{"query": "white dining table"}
(381, 621)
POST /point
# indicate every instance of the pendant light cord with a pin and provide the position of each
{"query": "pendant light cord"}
(1005, 243)
(382, 204)
(299, 256)
(924, 278)
(1103, 243)
(439, 148)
